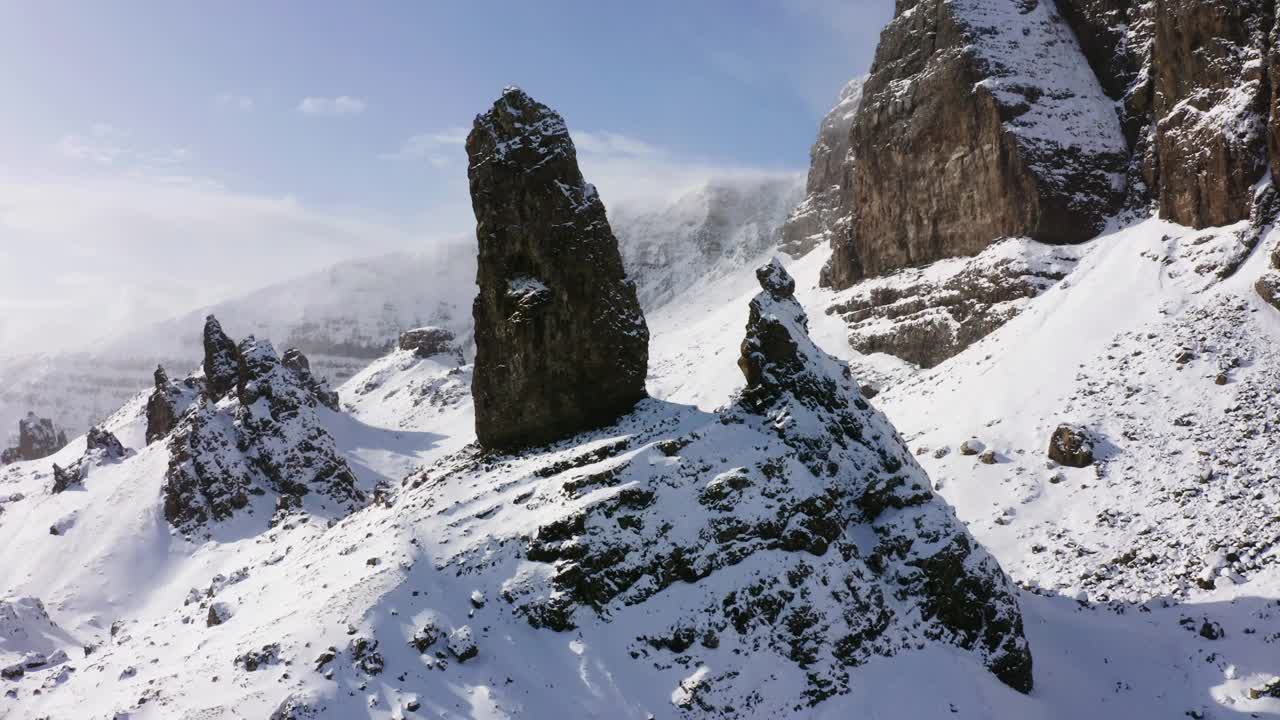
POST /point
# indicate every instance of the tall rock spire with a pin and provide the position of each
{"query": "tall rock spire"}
(561, 343)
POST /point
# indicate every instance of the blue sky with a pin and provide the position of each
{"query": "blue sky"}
(347, 117)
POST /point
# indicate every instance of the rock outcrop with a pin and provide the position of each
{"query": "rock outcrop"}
(825, 210)
(981, 119)
(100, 446)
(1210, 104)
(221, 360)
(426, 342)
(927, 315)
(561, 343)
(297, 363)
(267, 442)
(37, 438)
(163, 406)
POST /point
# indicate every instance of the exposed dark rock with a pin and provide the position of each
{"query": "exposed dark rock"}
(37, 438)
(561, 344)
(1210, 103)
(298, 364)
(462, 644)
(1071, 446)
(825, 209)
(100, 446)
(268, 440)
(162, 407)
(925, 320)
(221, 360)
(978, 112)
(428, 341)
(365, 655)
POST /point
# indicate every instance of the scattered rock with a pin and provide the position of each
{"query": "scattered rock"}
(219, 613)
(971, 447)
(988, 457)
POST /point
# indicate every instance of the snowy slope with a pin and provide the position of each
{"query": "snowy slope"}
(1151, 586)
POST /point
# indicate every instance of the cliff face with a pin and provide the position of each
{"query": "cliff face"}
(980, 119)
(1039, 119)
(561, 343)
(814, 220)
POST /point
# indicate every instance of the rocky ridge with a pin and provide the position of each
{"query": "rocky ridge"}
(252, 433)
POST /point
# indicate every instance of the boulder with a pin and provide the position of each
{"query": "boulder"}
(561, 343)
(1071, 446)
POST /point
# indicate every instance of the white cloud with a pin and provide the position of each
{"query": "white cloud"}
(341, 105)
(235, 101)
(102, 144)
(119, 249)
(107, 145)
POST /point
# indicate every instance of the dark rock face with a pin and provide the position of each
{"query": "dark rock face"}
(428, 341)
(1268, 285)
(985, 115)
(162, 407)
(825, 209)
(297, 363)
(221, 360)
(268, 442)
(37, 438)
(561, 343)
(1071, 446)
(1211, 101)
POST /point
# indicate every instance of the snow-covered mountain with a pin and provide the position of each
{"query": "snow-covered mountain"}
(351, 313)
(934, 468)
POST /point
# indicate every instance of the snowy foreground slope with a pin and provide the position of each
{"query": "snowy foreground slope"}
(1150, 579)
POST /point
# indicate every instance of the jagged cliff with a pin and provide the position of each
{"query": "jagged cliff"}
(984, 119)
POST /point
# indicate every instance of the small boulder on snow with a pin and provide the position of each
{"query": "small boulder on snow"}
(1072, 446)
(462, 644)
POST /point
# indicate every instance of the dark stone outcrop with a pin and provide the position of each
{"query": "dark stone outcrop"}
(100, 446)
(162, 407)
(1268, 284)
(37, 438)
(297, 363)
(925, 318)
(825, 209)
(561, 343)
(1211, 98)
(221, 360)
(1071, 446)
(267, 441)
(980, 120)
(426, 342)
